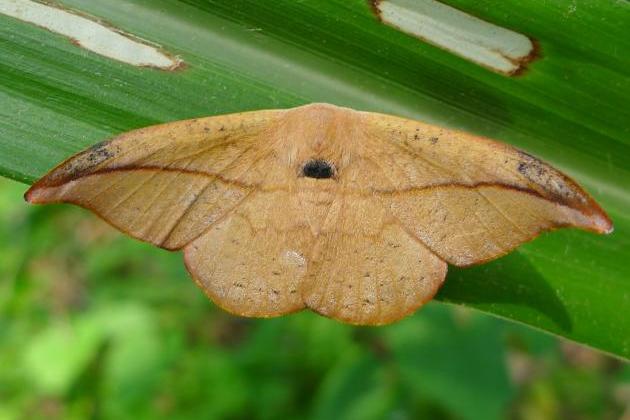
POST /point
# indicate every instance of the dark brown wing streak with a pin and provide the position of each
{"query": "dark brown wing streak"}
(492, 198)
(469, 225)
(162, 208)
(131, 213)
(164, 184)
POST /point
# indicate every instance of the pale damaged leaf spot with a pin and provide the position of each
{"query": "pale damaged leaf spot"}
(496, 48)
(90, 34)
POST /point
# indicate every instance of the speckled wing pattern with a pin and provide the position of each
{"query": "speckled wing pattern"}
(368, 244)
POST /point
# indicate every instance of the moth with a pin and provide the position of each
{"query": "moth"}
(354, 215)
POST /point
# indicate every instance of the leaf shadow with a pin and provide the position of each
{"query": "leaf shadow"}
(501, 284)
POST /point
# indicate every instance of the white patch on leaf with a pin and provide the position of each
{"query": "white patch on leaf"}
(482, 42)
(89, 34)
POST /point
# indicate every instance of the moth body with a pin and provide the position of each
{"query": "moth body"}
(352, 214)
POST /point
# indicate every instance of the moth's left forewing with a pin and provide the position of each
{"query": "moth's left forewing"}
(166, 184)
(471, 199)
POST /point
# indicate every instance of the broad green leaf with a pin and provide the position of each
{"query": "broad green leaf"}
(569, 107)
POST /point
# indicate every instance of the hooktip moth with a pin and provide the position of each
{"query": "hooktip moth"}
(354, 215)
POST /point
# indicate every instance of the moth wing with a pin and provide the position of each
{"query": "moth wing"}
(253, 261)
(166, 184)
(471, 199)
(365, 268)
(342, 256)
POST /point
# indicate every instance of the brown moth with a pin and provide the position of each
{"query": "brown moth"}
(354, 215)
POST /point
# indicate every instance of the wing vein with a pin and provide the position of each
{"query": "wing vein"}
(133, 191)
(438, 169)
(505, 216)
(185, 212)
(153, 200)
(398, 221)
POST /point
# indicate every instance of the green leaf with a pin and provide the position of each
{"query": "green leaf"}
(569, 107)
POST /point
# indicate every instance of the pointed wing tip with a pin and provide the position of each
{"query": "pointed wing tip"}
(602, 223)
(37, 193)
(598, 220)
(31, 195)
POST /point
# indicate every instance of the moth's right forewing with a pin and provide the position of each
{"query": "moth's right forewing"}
(468, 198)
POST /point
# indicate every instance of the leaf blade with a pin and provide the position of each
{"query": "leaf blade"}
(56, 99)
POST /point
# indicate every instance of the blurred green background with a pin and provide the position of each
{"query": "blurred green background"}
(97, 325)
